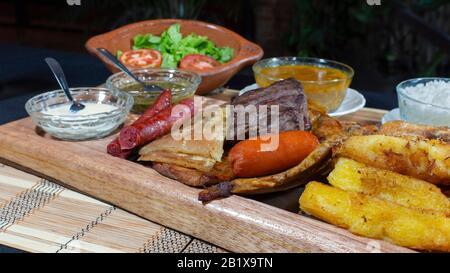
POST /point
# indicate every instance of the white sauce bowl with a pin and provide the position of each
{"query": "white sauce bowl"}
(92, 123)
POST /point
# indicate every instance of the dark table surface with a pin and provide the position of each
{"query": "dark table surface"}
(23, 74)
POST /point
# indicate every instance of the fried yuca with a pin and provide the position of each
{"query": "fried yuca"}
(375, 218)
(350, 175)
(401, 128)
(428, 160)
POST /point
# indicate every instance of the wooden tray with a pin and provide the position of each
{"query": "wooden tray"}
(237, 224)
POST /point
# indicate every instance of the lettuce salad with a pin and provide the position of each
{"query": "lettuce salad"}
(173, 46)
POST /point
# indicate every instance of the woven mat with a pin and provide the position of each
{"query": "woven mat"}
(39, 216)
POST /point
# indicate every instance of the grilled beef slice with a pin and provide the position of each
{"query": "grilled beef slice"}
(287, 94)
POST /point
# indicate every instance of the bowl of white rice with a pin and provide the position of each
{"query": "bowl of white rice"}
(425, 101)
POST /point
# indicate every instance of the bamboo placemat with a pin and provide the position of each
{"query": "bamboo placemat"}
(37, 215)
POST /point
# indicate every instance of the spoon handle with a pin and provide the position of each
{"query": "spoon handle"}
(117, 63)
(59, 75)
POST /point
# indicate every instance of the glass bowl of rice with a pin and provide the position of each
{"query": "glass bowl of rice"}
(425, 101)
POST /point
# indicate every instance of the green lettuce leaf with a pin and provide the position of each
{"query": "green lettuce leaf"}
(173, 46)
(169, 61)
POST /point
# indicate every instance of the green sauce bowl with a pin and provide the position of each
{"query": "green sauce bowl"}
(183, 84)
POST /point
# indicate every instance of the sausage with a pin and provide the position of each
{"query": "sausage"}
(248, 160)
(152, 128)
(161, 103)
(114, 149)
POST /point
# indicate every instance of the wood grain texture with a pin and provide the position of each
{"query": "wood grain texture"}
(236, 223)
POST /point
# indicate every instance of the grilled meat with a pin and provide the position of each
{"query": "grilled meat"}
(287, 94)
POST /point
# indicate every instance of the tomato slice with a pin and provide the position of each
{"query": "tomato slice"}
(198, 62)
(141, 58)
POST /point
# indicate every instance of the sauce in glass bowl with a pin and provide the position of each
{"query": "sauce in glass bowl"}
(91, 108)
(142, 99)
(306, 73)
(181, 83)
(104, 112)
(325, 82)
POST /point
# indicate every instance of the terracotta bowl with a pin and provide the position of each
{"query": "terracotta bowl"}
(246, 52)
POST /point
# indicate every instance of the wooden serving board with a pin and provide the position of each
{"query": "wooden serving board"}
(237, 224)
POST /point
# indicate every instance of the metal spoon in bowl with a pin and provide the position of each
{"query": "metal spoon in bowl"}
(61, 78)
(116, 62)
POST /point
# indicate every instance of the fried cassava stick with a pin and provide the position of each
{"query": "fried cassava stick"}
(375, 218)
(350, 175)
(424, 159)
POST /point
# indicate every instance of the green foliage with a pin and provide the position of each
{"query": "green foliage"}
(321, 25)
(425, 5)
(136, 10)
(332, 28)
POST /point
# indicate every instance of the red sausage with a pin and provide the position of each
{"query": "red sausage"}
(152, 128)
(114, 149)
(161, 103)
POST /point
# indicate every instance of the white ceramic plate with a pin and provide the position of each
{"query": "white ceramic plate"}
(391, 116)
(353, 101)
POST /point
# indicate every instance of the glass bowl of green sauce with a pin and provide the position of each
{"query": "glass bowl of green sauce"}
(183, 84)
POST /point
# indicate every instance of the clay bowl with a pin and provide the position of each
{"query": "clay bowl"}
(246, 52)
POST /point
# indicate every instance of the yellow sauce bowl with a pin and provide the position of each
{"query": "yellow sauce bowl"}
(325, 82)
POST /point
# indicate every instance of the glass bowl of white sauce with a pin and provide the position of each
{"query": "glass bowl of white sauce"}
(105, 111)
(425, 101)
